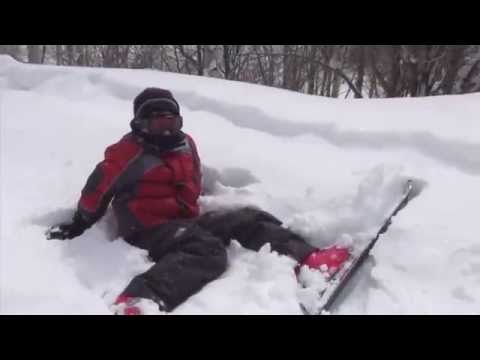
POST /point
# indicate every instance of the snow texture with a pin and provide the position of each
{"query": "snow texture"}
(330, 168)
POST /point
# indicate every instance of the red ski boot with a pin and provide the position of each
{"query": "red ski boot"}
(126, 305)
(329, 260)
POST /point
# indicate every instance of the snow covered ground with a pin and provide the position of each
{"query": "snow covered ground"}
(331, 169)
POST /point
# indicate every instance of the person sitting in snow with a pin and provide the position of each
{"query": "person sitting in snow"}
(153, 175)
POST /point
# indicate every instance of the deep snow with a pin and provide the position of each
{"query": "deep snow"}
(330, 168)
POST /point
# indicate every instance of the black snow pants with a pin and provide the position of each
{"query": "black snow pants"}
(188, 254)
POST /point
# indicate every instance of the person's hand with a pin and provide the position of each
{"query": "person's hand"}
(67, 231)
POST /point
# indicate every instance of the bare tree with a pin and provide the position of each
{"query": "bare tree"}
(265, 64)
(12, 50)
(363, 70)
(194, 57)
(34, 54)
(468, 79)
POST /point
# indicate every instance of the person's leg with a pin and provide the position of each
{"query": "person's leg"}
(187, 258)
(253, 228)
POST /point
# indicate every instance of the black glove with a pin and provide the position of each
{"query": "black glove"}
(68, 231)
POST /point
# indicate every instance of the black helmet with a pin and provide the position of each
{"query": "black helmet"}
(157, 113)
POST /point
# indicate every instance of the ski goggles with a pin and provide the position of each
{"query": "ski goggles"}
(159, 123)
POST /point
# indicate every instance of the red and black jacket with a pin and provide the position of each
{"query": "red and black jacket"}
(148, 186)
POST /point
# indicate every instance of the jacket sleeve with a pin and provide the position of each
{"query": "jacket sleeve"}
(198, 176)
(101, 184)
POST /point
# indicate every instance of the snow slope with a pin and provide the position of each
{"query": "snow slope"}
(330, 168)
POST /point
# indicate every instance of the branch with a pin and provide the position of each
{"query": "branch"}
(187, 56)
(338, 71)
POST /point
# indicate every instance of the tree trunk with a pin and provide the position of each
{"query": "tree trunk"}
(34, 54)
(200, 69)
(87, 55)
(312, 71)
(58, 53)
(456, 55)
(286, 66)
(360, 71)
(226, 61)
(70, 54)
(44, 51)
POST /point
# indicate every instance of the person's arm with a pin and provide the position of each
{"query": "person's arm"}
(197, 163)
(98, 191)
